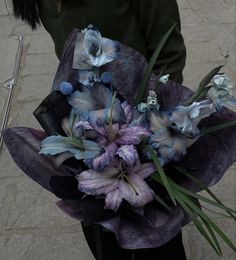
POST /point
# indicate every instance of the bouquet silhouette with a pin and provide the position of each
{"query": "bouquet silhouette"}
(127, 149)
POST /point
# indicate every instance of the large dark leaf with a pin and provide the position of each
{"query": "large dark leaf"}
(51, 112)
(24, 145)
(151, 228)
(210, 157)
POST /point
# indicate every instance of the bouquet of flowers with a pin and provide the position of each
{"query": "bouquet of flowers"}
(127, 149)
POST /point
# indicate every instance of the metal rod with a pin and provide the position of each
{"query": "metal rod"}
(10, 84)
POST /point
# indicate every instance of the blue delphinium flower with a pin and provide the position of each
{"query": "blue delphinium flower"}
(221, 92)
(95, 105)
(187, 118)
(169, 144)
(98, 49)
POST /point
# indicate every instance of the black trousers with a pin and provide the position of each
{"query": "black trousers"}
(109, 249)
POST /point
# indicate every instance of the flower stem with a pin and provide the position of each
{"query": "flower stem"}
(111, 134)
(217, 127)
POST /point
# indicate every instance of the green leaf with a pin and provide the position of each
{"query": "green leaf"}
(162, 202)
(204, 82)
(185, 192)
(211, 231)
(163, 176)
(203, 94)
(217, 127)
(144, 82)
(204, 187)
(197, 223)
(210, 222)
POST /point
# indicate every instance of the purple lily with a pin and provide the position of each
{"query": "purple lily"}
(119, 183)
(117, 139)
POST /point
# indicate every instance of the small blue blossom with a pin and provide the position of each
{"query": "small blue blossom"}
(151, 103)
(88, 77)
(164, 79)
(221, 92)
(66, 88)
(106, 77)
(98, 49)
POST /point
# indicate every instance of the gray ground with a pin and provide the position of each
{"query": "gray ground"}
(31, 226)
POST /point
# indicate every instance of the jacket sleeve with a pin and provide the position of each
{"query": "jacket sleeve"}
(155, 18)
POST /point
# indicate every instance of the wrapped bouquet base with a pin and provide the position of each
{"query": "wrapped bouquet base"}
(131, 165)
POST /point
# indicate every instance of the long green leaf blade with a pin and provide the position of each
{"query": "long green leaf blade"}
(217, 127)
(211, 231)
(197, 223)
(204, 82)
(210, 222)
(163, 176)
(144, 82)
(162, 202)
(204, 187)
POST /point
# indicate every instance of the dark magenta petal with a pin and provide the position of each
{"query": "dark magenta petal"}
(132, 135)
(172, 94)
(99, 163)
(23, 145)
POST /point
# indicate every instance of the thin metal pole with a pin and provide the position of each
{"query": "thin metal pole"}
(10, 85)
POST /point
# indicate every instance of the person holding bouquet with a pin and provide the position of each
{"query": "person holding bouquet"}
(139, 24)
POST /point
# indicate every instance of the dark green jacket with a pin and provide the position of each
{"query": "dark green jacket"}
(138, 23)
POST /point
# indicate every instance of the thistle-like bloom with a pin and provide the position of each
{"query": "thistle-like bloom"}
(88, 78)
(221, 92)
(99, 50)
(118, 183)
(187, 118)
(151, 103)
(170, 145)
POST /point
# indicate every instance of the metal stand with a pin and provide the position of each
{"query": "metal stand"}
(10, 85)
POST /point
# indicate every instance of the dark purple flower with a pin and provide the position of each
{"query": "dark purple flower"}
(118, 139)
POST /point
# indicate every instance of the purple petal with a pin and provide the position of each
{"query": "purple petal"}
(172, 94)
(143, 170)
(132, 135)
(113, 200)
(98, 183)
(129, 154)
(128, 111)
(99, 163)
(139, 194)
